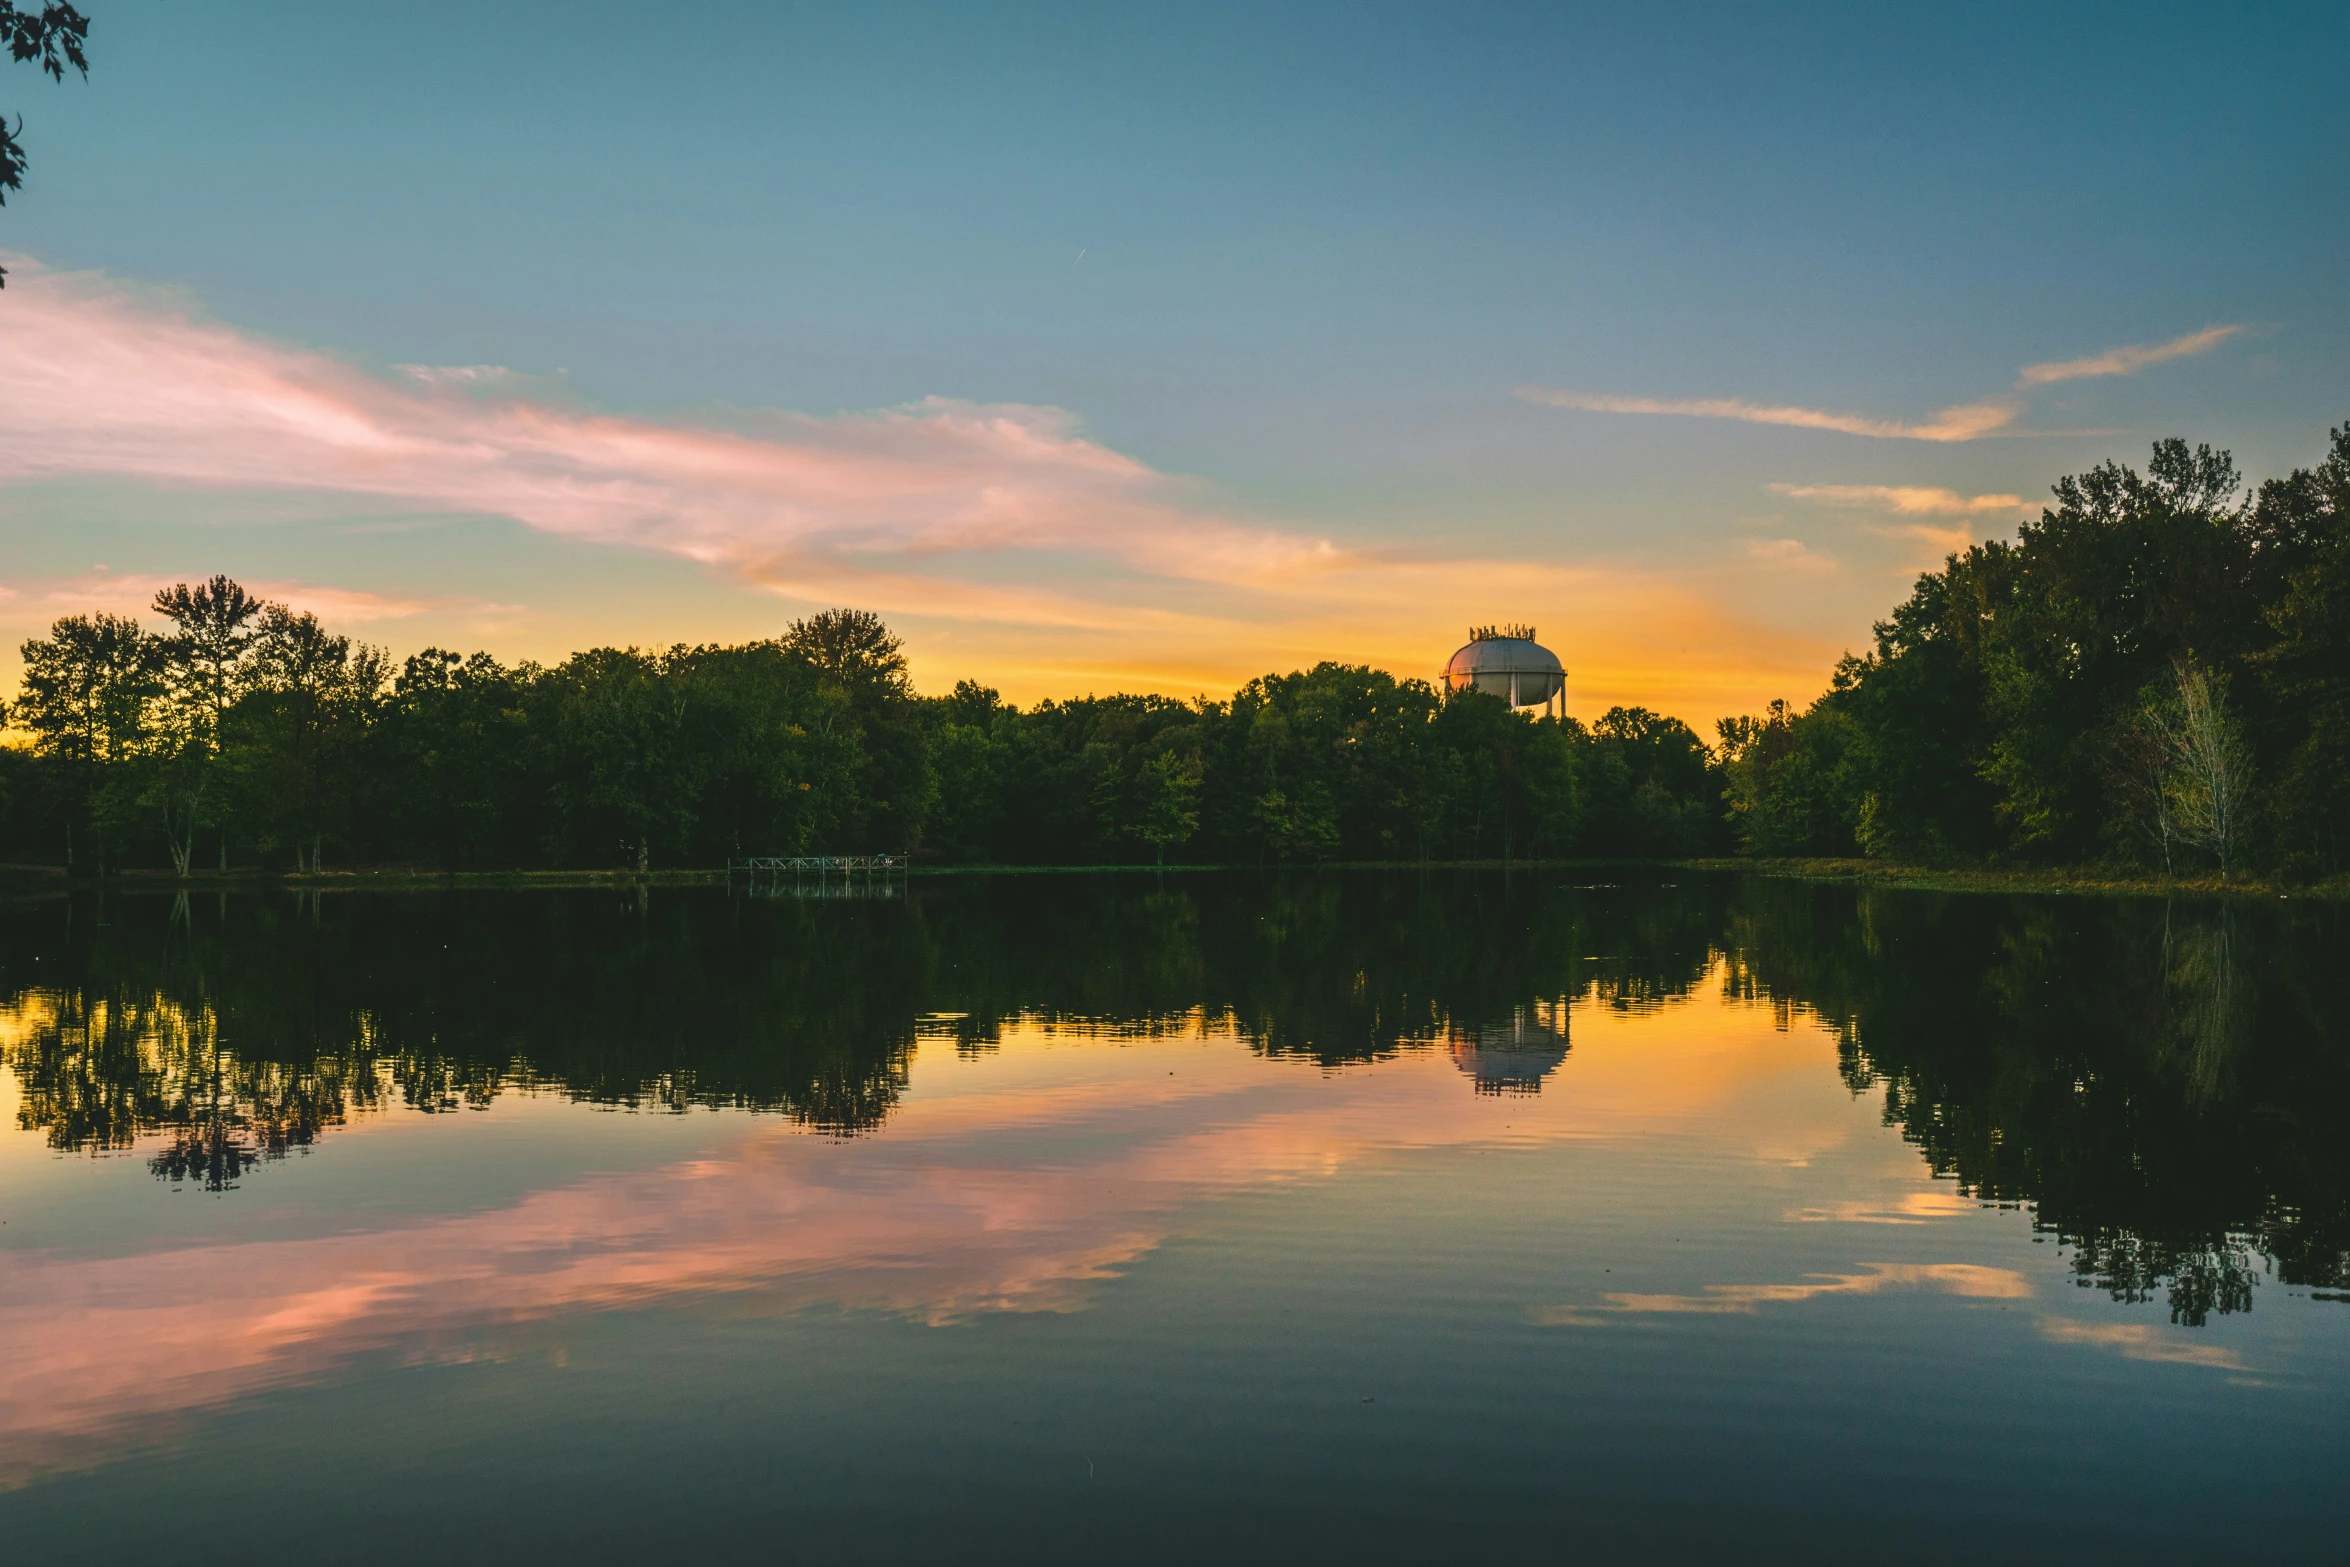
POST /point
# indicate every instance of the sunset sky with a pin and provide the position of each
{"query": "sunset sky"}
(1145, 347)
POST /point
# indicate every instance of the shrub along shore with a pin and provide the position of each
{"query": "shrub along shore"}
(2092, 881)
(2149, 687)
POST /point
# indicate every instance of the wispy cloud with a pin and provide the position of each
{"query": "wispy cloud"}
(130, 593)
(1960, 422)
(1055, 562)
(1914, 501)
(1788, 555)
(104, 380)
(1903, 499)
(1966, 422)
(2127, 361)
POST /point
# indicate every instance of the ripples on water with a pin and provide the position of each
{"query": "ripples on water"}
(1063, 1215)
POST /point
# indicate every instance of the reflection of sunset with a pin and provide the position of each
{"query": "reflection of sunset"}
(1013, 1180)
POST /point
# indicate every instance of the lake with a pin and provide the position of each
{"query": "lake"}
(1214, 1216)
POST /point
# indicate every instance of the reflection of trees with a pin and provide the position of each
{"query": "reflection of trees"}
(98, 1070)
(240, 1029)
(2166, 1087)
(2171, 1109)
(241, 1036)
(1330, 968)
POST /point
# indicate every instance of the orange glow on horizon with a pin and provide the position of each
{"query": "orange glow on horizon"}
(1018, 1180)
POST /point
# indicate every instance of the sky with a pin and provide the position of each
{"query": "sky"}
(1145, 347)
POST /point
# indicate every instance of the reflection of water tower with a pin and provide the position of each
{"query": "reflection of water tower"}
(1507, 661)
(1514, 1057)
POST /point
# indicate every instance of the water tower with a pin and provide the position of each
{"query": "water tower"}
(1507, 661)
(1514, 1057)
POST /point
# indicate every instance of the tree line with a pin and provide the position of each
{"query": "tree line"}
(241, 731)
(2156, 672)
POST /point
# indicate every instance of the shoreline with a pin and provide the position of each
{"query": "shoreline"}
(2084, 881)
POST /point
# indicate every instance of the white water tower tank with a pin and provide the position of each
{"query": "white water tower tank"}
(1507, 661)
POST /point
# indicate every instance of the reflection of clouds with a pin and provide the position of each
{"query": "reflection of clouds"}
(1010, 1190)
(1967, 1279)
(1011, 1181)
(1939, 1202)
(2139, 1341)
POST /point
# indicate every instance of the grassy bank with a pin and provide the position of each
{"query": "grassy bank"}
(2090, 880)
(2078, 880)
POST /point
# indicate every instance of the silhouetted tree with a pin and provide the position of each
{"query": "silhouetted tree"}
(51, 37)
(86, 693)
(207, 664)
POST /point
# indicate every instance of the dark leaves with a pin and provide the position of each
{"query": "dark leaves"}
(54, 38)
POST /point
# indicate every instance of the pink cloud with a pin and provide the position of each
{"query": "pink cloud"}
(1972, 1280)
(1966, 422)
(105, 379)
(948, 1215)
(129, 593)
(1017, 1182)
(2127, 361)
(1061, 564)
(1909, 500)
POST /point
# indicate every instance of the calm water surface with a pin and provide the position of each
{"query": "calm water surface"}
(1051, 1217)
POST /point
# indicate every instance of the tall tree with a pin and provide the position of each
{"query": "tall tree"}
(2203, 771)
(854, 648)
(2302, 524)
(87, 690)
(1170, 793)
(863, 661)
(207, 663)
(295, 734)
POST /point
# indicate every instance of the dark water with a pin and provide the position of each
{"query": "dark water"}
(1037, 1218)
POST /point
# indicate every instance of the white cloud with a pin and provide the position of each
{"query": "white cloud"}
(1960, 422)
(1965, 422)
(2127, 361)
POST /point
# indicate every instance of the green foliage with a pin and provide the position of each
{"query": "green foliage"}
(1792, 780)
(2157, 670)
(1170, 790)
(295, 745)
(2302, 528)
(87, 693)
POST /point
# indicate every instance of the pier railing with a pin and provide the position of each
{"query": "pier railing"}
(817, 864)
(820, 875)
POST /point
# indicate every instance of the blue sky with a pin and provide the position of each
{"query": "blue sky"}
(1309, 272)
